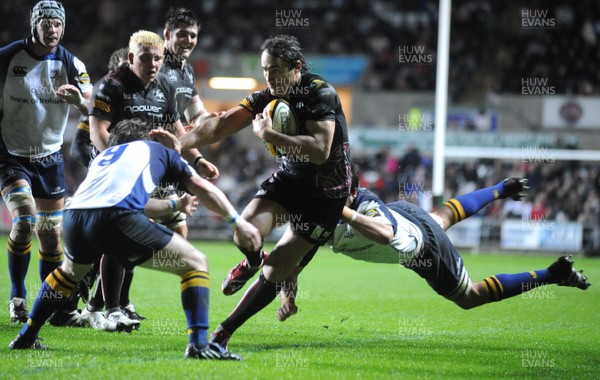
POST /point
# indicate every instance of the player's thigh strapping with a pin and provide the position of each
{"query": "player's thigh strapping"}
(438, 262)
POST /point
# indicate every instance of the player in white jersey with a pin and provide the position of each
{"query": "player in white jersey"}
(402, 233)
(106, 216)
(39, 79)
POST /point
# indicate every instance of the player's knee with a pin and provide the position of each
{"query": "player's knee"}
(470, 299)
(49, 226)
(19, 198)
(193, 261)
(19, 201)
(22, 228)
(445, 217)
(74, 271)
(465, 304)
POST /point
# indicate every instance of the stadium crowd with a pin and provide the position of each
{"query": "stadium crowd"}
(569, 41)
(560, 190)
(495, 44)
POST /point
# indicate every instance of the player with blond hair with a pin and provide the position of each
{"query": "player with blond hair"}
(136, 90)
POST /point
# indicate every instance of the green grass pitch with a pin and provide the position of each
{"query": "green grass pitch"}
(356, 320)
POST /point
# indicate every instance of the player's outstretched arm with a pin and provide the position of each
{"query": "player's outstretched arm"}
(156, 208)
(204, 167)
(373, 229)
(216, 128)
(216, 201)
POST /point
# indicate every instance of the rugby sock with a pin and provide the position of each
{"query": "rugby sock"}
(254, 257)
(195, 295)
(97, 300)
(503, 286)
(55, 290)
(48, 263)
(19, 255)
(112, 274)
(468, 204)
(259, 295)
(127, 278)
(72, 302)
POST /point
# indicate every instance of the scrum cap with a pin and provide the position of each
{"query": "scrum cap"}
(47, 9)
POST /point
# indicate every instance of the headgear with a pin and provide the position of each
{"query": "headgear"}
(47, 9)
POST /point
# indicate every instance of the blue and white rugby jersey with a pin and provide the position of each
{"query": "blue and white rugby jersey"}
(32, 117)
(408, 238)
(125, 175)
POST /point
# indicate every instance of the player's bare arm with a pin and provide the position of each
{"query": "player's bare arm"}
(195, 110)
(316, 146)
(214, 199)
(99, 132)
(373, 229)
(217, 128)
(205, 168)
(156, 208)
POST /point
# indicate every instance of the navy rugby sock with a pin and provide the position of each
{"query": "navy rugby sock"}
(55, 291)
(503, 286)
(259, 295)
(48, 263)
(19, 255)
(468, 204)
(195, 296)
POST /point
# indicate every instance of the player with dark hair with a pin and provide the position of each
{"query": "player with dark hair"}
(39, 79)
(310, 186)
(106, 216)
(402, 233)
(181, 36)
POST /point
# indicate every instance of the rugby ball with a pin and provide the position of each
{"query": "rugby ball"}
(284, 121)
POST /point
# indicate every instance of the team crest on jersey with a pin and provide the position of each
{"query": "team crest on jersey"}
(372, 213)
(159, 95)
(316, 84)
(171, 75)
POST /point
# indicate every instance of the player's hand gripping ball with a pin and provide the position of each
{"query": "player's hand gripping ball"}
(284, 121)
